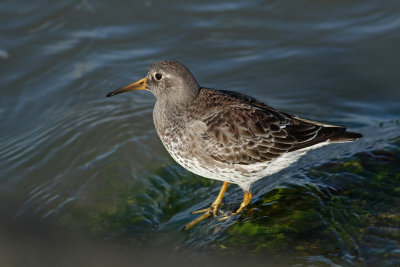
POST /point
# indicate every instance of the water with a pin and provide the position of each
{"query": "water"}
(85, 179)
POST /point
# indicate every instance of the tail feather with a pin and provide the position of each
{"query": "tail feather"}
(309, 133)
(345, 137)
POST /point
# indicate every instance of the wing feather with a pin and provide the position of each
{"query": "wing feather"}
(242, 130)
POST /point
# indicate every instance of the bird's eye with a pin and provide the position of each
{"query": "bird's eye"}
(158, 76)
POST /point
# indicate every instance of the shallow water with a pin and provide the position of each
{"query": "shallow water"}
(86, 177)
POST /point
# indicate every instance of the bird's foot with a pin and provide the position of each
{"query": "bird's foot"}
(199, 219)
(212, 210)
(246, 200)
(226, 217)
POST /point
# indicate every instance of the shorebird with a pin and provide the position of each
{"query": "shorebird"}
(225, 135)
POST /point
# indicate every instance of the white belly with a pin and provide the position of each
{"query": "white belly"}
(242, 175)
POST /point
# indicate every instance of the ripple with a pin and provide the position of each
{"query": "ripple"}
(219, 7)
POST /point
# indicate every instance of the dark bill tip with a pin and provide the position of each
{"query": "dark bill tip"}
(139, 85)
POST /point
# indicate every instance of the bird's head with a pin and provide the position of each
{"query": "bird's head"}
(166, 79)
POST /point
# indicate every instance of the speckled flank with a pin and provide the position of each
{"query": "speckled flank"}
(242, 175)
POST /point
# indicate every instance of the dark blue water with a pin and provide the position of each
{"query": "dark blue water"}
(86, 177)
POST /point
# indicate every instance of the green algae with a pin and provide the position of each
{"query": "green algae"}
(346, 212)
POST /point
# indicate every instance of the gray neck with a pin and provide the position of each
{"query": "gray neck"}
(167, 114)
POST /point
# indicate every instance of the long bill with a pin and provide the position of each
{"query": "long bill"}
(139, 85)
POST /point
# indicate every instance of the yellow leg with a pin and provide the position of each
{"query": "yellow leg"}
(246, 201)
(211, 210)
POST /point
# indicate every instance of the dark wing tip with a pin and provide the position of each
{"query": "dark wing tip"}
(346, 137)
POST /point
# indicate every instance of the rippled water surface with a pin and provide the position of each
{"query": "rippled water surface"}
(85, 180)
